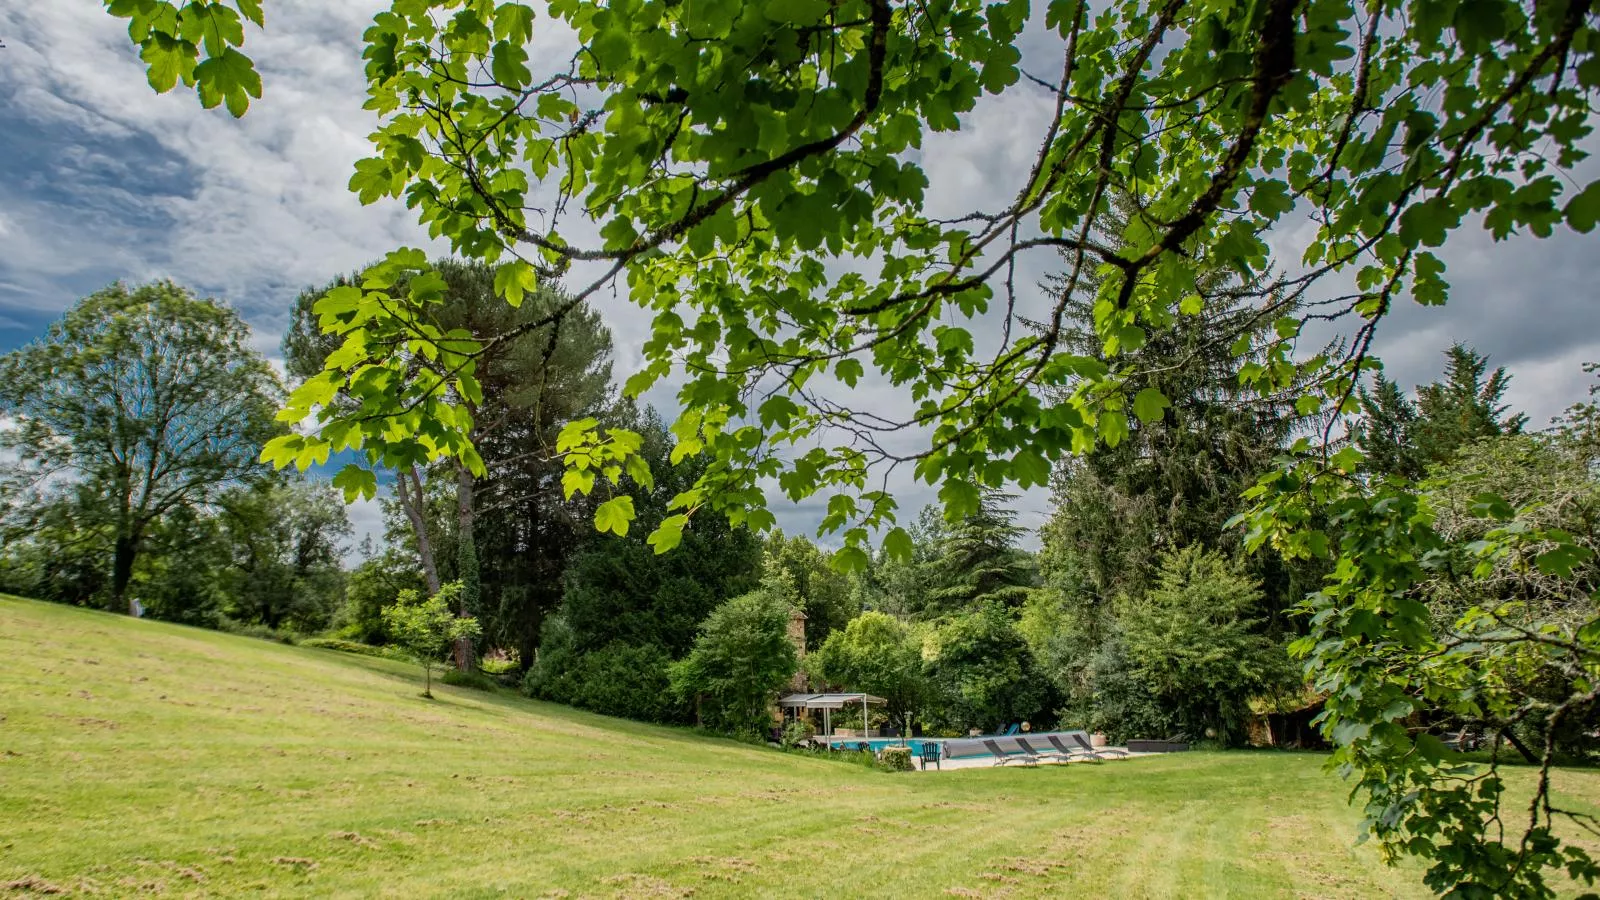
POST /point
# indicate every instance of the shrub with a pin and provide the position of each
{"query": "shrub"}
(498, 665)
(344, 646)
(233, 626)
(796, 733)
(616, 680)
(984, 673)
(623, 680)
(476, 681)
(739, 661)
(896, 759)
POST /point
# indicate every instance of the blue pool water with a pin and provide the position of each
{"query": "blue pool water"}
(955, 748)
(879, 743)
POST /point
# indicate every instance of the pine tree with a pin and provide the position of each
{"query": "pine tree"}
(978, 561)
(1405, 438)
(1386, 433)
(1464, 407)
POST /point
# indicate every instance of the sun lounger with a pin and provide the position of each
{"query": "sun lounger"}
(1001, 757)
(1042, 755)
(1082, 749)
(1070, 752)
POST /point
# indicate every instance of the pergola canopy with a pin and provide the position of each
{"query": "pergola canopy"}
(828, 701)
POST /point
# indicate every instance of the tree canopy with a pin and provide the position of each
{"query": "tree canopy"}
(147, 396)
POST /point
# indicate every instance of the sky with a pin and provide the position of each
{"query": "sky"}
(101, 179)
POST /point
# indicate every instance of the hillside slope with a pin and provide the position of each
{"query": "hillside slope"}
(141, 757)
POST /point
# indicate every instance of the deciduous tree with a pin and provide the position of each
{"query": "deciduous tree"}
(428, 627)
(878, 654)
(148, 396)
(740, 659)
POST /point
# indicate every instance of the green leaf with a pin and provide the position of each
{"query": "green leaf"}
(1492, 506)
(849, 371)
(230, 78)
(624, 441)
(252, 11)
(514, 280)
(1030, 468)
(778, 411)
(513, 22)
(1149, 404)
(281, 450)
(1430, 747)
(1583, 210)
(850, 559)
(668, 534)
(614, 515)
(508, 65)
(639, 470)
(1113, 427)
(575, 434)
(1560, 560)
(897, 545)
(168, 60)
(577, 481)
(960, 497)
(356, 481)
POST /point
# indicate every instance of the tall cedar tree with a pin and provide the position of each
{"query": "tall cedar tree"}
(978, 561)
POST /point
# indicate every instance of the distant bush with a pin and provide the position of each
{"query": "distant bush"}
(618, 680)
(498, 665)
(356, 647)
(896, 759)
(257, 631)
(796, 733)
(740, 661)
(476, 681)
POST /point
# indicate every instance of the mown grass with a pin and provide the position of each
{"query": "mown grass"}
(138, 757)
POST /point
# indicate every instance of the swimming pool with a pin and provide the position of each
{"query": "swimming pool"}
(960, 748)
(878, 744)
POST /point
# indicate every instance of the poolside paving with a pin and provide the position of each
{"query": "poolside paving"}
(983, 762)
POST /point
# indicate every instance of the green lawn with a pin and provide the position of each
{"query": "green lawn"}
(142, 757)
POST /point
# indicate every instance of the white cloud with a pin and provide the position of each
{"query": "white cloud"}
(366, 521)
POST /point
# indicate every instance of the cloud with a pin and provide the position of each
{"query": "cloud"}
(366, 521)
(122, 182)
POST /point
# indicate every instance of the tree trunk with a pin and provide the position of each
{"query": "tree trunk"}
(122, 570)
(1528, 755)
(414, 506)
(466, 563)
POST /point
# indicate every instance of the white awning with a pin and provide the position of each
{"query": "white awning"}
(828, 701)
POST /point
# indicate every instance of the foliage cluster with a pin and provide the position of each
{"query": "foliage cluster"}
(428, 627)
(740, 659)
